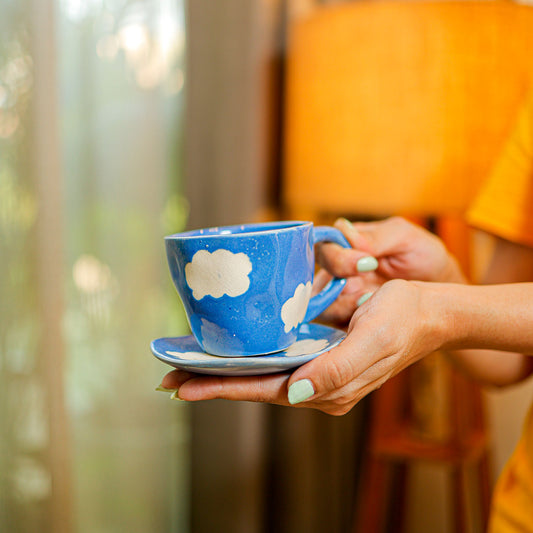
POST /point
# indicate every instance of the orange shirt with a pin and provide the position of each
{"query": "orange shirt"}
(504, 207)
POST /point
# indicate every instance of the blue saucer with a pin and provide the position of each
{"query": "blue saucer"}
(185, 353)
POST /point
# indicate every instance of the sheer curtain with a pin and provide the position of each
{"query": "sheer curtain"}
(90, 172)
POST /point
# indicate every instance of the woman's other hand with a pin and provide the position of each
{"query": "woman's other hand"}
(393, 248)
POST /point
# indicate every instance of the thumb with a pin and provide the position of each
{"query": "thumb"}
(323, 375)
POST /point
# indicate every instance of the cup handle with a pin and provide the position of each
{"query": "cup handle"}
(327, 295)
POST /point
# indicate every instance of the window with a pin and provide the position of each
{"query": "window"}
(90, 174)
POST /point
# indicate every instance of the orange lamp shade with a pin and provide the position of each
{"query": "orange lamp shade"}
(401, 106)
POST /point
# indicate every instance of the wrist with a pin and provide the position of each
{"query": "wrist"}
(438, 309)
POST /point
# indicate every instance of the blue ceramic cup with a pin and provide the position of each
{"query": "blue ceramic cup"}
(247, 289)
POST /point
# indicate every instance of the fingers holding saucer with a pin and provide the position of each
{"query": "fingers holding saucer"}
(269, 388)
(174, 380)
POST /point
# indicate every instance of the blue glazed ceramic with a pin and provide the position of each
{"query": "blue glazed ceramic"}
(247, 289)
(184, 353)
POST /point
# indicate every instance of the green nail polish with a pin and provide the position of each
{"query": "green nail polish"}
(160, 388)
(300, 391)
(367, 264)
(174, 396)
(364, 298)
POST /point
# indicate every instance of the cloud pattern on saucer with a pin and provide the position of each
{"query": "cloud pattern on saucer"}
(185, 354)
(293, 310)
(305, 346)
(193, 356)
(218, 273)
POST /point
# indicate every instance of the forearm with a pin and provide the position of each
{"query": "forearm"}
(498, 317)
(473, 321)
(492, 368)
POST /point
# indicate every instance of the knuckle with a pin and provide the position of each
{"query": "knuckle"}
(337, 264)
(342, 405)
(337, 372)
(262, 393)
(218, 389)
(340, 410)
(339, 404)
(398, 220)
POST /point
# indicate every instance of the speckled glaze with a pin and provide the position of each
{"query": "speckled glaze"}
(246, 289)
(184, 353)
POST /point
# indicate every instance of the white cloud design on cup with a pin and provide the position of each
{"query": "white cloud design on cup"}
(293, 310)
(218, 273)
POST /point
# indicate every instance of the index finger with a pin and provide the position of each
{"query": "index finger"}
(344, 262)
(268, 388)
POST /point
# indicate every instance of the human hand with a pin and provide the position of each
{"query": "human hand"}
(403, 250)
(393, 329)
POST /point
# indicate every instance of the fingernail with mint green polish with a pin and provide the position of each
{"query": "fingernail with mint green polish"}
(347, 225)
(367, 264)
(300, 391)
(174, 396)
(364, 298)
(160, 388)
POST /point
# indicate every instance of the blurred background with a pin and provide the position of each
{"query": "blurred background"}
(122, 121)
(91, 170)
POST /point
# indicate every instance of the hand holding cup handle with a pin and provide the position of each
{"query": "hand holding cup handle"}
(322, 300)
